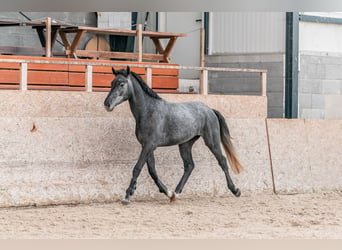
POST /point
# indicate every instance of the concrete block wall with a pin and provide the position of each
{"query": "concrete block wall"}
(306, 154)
(63, 147)
(320, 85)
(235, 83)
(26, 36)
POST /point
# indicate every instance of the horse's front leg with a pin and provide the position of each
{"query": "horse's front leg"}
(153, 173)
(146, 150)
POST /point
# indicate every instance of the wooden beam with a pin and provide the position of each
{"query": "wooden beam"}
(65, 41)
(263, 83)
(113, 54)
(23, 76)
(168, 49)
(48, 37)
(204, 82)
(149, 76)
(89, 78)
(139, 43)
(202, 45)
(75, 43)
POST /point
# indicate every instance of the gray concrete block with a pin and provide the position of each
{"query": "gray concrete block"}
(317, 101)
(310, 86)
(304, 101)
(331, 86)
(275, 84)
(310, 113)
(275, 112)
(333, 106)
(333, 71)
(277, 99)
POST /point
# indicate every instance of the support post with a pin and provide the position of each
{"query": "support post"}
(263, 83)
(48, 37)
(89, 78)
(23, 76)
(139, 42)
(202, 45)
(149, 76)
(204, 82)
(291, 65)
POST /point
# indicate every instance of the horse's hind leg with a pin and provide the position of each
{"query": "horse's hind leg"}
(213, 143)
(153, 174)
(185, 152)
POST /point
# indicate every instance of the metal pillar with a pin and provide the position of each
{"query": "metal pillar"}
(291, 65)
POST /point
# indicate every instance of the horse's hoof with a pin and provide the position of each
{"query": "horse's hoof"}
(125, 202)
(237, 193)
(173, 197)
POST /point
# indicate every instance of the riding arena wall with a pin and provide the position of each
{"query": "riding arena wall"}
(63, 147)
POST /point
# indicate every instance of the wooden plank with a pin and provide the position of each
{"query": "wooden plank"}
(102, 80)
(65, 40)
(61, 88)
(76, 41)
(117, 55)
(108, 69)
(99, 80)
(77, 79)
(10, 76)
(48, 78)
(168, 48)
(163, 82)
(77, 68)
(166, 72)
(172, 91)
(47, 67)
(121, 32)
(9, 86)
(107, 54)
(4, 65)
(99, 89)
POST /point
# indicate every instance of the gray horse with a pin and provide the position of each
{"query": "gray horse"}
(162, 123)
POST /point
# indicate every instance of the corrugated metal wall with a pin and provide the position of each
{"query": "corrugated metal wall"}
(246, 32)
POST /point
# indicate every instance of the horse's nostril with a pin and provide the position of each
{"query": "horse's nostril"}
(106, 104)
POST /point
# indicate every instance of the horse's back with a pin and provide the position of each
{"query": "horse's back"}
(192, 116)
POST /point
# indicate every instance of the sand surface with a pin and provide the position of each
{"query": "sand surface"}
(255, 216)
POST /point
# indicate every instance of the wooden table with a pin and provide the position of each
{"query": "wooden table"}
(163, 55)
(47, 40)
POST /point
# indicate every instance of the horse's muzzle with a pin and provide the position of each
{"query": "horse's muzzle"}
(107, 105)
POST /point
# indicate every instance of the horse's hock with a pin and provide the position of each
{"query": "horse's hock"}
(64, 147)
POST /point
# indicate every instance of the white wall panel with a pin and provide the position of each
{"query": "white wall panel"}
(320, 37)
(247, 32)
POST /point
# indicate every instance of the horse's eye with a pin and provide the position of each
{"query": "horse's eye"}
(122, 84)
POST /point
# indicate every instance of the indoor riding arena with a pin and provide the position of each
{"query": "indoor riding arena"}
(66, 162)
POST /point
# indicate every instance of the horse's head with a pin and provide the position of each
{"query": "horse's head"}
(121, 89)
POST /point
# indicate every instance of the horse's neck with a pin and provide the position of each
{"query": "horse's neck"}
(140, 102)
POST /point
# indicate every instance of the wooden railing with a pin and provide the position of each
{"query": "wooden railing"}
(148, 70)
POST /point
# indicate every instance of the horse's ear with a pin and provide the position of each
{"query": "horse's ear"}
(128, 70)
(114, 71)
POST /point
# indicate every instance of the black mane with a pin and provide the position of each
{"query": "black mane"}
(144, 86)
